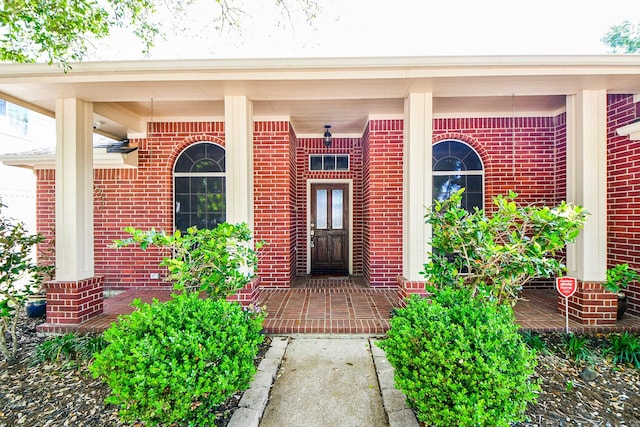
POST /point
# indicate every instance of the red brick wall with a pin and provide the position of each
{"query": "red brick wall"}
(295, 202)
(623, 191)
(307, 146)
(382, 203)
(519, 154)
(141, 197)
(561, 157)
(46, 213)
(273, 201)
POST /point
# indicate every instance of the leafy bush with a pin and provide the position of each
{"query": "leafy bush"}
(502, 251)
(577, 347)
(625, 349)
(15, 263)
(217, 261)
(620, 277)
(175, 362)
(460, 360)
(69, 347)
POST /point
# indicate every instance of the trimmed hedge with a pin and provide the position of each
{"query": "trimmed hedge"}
(460, 360)
(175, 362)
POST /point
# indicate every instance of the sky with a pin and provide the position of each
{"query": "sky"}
(388, 28)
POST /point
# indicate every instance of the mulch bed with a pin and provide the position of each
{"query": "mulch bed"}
(61, 394)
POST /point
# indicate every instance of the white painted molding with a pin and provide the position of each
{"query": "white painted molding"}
(101, 160)
(632, 131)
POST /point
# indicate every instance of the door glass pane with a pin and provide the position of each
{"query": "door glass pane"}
(336, 209)
(321, 209)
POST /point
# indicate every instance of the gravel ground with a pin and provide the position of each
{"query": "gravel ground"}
(62, 395)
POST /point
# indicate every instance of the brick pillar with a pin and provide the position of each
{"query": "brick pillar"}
(247, 295)
(591, 305)
(69, 303)
(406, 288)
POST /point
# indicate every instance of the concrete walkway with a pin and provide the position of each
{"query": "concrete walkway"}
(327, 381)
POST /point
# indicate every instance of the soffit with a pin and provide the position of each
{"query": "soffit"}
(313, 92)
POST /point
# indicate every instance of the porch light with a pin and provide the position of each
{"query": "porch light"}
(327, 136)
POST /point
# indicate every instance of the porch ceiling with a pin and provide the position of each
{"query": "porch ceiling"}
(310, 93)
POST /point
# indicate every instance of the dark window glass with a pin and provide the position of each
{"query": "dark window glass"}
(182, 185)
(342, 163)
(455, 156)
(201, 157)
(445, 185)
(200, 199)
(198, 184)
(329, 163)
(204, 165)
(449, 164)
(316, 163)
(474, 184)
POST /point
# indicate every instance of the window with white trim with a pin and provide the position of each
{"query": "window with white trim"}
(200, 186)
(329, 162)
(456, 165)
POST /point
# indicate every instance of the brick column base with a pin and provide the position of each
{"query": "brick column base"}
(591, 305)
(247, 295)
(69, 303)
(406, 288)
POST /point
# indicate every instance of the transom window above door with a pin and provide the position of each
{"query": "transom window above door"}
(329, 162)
(456, 165)
(200, 186)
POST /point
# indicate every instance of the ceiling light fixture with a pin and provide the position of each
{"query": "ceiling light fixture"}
(327, 136)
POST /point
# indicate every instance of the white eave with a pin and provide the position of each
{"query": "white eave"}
(632, 131)
(101, 160)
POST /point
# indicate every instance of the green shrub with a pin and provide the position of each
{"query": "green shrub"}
(16, 252)
(501, 249)
(534, 341)
(217, 261)
(175, 362)
(625, 349)
(577, 347)
(460, 360)
(69, 347)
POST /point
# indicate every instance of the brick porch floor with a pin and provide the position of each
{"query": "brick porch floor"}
(349, 306)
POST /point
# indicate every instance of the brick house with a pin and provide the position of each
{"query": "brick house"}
(244, 140)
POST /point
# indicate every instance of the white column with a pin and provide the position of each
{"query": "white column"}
(74, 190)
(418, 182)
(587, 181)
(238, 127)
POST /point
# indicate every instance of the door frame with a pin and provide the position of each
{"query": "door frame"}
(349, 183)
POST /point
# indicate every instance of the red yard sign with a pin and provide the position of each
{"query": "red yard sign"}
(566, 286)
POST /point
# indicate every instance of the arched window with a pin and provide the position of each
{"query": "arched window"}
(200, 187)
(456, 165)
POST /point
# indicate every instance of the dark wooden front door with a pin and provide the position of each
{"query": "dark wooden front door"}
(329, 229)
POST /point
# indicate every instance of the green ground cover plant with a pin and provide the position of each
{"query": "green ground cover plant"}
(69, 347)
(577, 347)
(534, 341)
(624, 348)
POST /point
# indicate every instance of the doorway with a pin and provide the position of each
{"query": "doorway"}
(329, 228)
